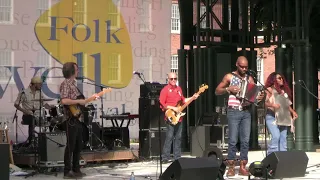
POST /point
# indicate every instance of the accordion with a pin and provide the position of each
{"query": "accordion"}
(248, 93)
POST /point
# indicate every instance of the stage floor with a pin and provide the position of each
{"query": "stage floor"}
(150, 169)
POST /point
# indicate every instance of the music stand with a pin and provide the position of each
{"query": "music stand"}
(159, 119)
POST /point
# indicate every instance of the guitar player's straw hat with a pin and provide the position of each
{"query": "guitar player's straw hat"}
(36, 80)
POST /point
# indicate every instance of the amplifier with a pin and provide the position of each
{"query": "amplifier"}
(155, 89)
(149, 145)
(52, 146)
(116, 137)
(150, 114)
(4, 163)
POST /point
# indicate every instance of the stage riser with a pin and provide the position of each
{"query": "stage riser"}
(28, 159)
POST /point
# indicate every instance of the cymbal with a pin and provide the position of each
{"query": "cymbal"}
(43, 99)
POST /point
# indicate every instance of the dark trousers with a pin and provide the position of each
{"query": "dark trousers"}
(74, 145)
(27, 120)
(173, 134)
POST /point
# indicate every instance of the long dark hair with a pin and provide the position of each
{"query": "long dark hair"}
(272, 81)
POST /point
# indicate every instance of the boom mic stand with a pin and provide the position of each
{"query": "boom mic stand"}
(159, 120)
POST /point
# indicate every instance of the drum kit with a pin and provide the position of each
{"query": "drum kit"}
(52, 118)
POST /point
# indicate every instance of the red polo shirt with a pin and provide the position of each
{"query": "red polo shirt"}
(170, 96)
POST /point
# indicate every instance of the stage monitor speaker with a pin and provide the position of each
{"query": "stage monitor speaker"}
(192, 168)
(149, 112)
(4, 163)
(52, 146)
(286, 164)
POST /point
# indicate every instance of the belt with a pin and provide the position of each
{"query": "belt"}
(240, 108)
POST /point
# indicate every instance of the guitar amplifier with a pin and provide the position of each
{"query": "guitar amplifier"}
(52, 146)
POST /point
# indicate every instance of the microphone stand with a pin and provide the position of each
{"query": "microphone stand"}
(159, 120)
(102, 113)
(254, 76)
(15, 117)
(305, 87)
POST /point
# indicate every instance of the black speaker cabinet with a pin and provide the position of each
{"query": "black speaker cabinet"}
(150, 114)
(52, 146)
(116, 137)
(286, 164)
(200, 140)
(192, 168)
(4, 163)
(149, 143)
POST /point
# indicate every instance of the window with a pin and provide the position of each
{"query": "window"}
(44, 61)
(146, 66)
(79, 12)
(175, 19)
(174, 63)
(260, 70)
(144, 13)
(43, 6)
(114, 68)
(203, 22)
(114, 14)
(6, 11)
(6, 59)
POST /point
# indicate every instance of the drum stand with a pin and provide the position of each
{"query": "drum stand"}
(89, 144)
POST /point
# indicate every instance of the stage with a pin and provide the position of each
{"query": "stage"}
(150, 169)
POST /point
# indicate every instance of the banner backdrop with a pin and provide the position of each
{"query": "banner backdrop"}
(108, 39)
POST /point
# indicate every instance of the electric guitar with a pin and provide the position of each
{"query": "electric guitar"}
(76, 110)
(173, 117)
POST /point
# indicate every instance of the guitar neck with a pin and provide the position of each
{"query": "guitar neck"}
(93, 98)
(186, 104)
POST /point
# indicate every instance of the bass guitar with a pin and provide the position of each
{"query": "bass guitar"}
(173, 117)
(76, 110)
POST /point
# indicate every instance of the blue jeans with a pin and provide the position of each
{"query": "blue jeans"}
(278, 135)
(239, 123)
(173, 134)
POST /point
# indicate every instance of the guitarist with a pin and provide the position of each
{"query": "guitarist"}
(69, 96)
(170, 95)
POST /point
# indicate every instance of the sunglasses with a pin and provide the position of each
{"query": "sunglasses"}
(171, 79)
(280, 78)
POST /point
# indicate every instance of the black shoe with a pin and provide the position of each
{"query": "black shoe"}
(79, 174)
(70, 175)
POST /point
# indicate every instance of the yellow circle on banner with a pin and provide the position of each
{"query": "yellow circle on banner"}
(91, 33)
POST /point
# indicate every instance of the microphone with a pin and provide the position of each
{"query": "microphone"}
(80, 78)
(136, 73)
(251, 72)
(294, 82)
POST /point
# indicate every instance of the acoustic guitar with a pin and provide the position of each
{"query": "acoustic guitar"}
(76, 109)
(173, 117)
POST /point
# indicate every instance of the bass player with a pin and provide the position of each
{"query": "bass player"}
(170, 95)
(71, 95)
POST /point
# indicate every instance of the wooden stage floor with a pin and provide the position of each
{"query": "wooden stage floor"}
(86, 156)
